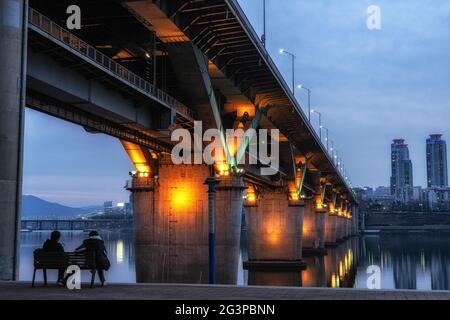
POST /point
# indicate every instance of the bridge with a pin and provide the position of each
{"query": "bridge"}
(138, 70)
(72, 225)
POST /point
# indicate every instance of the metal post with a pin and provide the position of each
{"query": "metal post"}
(282, 51)
(309, 105)
(212, 182)
(320, 126)
(264, 24)
(293, 74)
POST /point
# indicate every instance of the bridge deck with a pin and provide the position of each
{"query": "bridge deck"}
(90, 55)
(23, 291)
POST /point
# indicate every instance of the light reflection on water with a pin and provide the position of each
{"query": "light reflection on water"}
(407, 262)
(120, 247)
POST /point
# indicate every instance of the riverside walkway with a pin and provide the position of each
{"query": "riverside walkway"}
(23, 291)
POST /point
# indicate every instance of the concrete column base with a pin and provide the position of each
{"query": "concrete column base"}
(172, 226)
(313, 230)
(12, 97)
(340, 230)
(330, 230)
(274, 231)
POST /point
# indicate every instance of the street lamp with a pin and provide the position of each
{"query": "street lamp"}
(263, 37)
(326, 138)
(336, 159)
(309, 100)
(293, 56)
(320, 122)
(332, 151)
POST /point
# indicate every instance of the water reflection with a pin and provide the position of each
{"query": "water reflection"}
(120, 247)
(336, 269)
(419, 262)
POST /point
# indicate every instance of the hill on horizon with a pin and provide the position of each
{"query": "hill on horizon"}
(34, 207)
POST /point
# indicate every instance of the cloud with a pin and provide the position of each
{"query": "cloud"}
(371, 86)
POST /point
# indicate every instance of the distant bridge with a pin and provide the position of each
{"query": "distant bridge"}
(63, 225)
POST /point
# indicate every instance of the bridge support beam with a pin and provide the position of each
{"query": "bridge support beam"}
(340, 228)
(347, 227)
(12, 93)
(274, 226)
(355, 221)
(313, 228)
(171, 225)
(346, 221)
(330, 229)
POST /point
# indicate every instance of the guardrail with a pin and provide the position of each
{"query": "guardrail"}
(66, 38)
(50, 225)
(140, 183)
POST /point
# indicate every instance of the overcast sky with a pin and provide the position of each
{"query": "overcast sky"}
(371, 87)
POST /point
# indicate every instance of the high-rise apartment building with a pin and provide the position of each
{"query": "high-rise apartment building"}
(437, 175)
(401, 171)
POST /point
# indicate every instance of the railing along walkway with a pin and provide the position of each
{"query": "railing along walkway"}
(44, 26)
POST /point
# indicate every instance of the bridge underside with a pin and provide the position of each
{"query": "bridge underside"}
(136, 71)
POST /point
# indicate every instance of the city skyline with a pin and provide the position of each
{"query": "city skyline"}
(441, 166)
(369, 85)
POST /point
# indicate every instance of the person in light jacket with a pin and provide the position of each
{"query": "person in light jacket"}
(95, 244)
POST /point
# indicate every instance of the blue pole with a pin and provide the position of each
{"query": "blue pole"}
(212, 182)
(212, 258)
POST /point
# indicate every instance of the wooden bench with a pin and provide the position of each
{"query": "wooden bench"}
(61, 260)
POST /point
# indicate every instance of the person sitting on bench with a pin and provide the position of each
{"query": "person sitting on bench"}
(53, 245)
(95, 244)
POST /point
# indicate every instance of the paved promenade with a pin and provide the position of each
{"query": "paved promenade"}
(23, 291)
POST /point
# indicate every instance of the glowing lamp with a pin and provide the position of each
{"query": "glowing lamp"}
(250, 197)
(222, 169)
(293, 195)
(319, 205)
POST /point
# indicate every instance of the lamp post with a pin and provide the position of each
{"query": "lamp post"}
(293, 57)
(309, 100)
(211, 182)
(326, 138)
(320, 122)
(332, 151)
(263, 37)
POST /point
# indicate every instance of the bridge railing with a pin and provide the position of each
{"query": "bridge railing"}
(57, 32)
(140, 183)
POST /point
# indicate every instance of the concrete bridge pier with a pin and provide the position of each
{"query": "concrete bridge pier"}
(229, 202)
(340, 228)
(274, 228)
(330, 228)
(313, 228)
(347, 227)
(171, 212)
(346, 222)
(354, 224)
(13, 32)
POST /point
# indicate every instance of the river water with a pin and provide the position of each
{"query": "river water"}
(406, 262)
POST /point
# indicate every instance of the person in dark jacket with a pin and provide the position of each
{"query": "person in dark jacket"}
(95, 244)
(53, 245)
